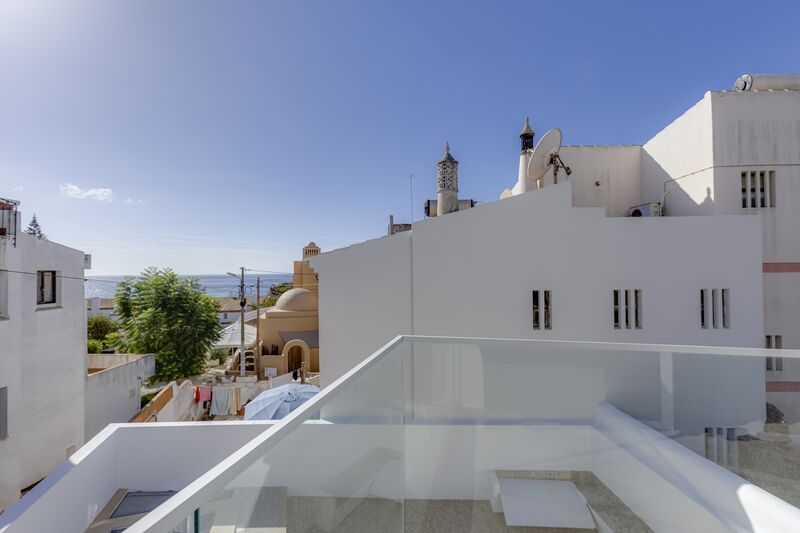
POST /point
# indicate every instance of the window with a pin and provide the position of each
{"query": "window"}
(45, 287)
(774, 342)
(542, 310)
(715, 308)
(627, 307)
(3, 413)
(758, 188)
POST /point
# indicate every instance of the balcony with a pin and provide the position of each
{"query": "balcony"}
(8, 220)
(451, 434)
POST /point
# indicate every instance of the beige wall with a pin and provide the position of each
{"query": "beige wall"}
(304, 276)
(276, 321)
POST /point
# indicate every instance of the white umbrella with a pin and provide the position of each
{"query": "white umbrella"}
(274, 404)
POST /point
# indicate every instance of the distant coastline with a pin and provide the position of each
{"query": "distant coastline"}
(214, 284)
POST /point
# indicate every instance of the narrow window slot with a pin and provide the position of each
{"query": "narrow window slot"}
(627, 309)
(771, 188)
(703, 309)
(3, 413)
(714, 309)
(547, 310)
(726, 313)
(637, 303)
(617, 324)
(744, 190)
(535, 309)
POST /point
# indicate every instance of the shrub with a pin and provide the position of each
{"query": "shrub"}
(99, 327)
(94, 346)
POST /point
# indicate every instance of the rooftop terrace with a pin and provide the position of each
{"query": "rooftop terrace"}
(456, 434)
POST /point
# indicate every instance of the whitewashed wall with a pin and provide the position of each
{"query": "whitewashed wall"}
(365, 302)
(682, 151)
(156, 457)
(605, 176)
(42, 353)
(112, 395)
(474, 272)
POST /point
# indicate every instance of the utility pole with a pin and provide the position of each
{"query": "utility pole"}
(242, 304)
(258, 328)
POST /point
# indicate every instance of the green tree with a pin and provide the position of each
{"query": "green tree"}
(98, 327)
(275, 292)
(35, 229)
(169, 316)
(94, 346)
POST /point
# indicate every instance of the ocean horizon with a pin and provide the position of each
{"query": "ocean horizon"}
(213, 284)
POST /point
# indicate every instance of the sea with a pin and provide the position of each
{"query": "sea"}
(213, 284)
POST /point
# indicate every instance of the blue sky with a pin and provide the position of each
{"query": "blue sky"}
(208, 135)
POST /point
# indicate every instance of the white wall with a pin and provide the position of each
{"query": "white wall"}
(618, 171)
(42, 353)
(365, 302)
(142, 457)
(112, 395)
(474, 272)
(683, 151)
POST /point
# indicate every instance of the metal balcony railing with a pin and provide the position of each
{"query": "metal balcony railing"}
(8, 220)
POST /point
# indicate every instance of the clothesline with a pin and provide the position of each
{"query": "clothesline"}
(224, 400)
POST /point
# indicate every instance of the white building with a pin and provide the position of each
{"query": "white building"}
(100, 306)
(42, 355)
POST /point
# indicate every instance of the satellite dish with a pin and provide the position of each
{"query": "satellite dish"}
(542, 157)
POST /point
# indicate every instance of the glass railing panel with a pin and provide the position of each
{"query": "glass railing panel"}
(340, 470)
(653, 438)
(645, 424)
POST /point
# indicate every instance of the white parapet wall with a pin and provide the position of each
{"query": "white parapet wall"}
(113, 394)
(139, 457)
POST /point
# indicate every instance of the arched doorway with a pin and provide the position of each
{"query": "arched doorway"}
(296, 353)
(295, 358)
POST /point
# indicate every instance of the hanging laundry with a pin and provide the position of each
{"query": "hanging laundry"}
(197, 395)
(220, 401)
(235, 404)
(205, 393)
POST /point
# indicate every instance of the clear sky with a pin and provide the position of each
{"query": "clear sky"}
(210, 135)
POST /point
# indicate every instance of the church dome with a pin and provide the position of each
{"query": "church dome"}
(297, 300)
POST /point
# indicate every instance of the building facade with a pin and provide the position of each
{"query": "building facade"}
(42, 358)
(571, 263)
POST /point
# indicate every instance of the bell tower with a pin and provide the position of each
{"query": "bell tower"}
(447, 177)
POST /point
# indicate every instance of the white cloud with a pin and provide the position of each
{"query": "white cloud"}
(133, 201)
(70, 190)
(17, 188)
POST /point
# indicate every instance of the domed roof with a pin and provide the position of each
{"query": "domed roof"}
(297, 300)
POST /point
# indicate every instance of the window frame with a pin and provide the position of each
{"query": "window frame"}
(41, 280)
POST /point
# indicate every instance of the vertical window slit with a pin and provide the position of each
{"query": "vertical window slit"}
(547, 310)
